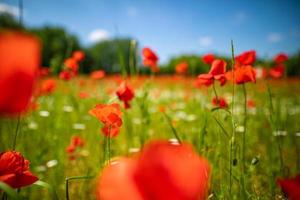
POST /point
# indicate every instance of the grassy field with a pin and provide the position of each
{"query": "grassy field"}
(163, 105)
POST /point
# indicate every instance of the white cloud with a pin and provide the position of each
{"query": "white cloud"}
(205, 41)
(98, 35)
(131, 11)
(274, 37)
(5, 8)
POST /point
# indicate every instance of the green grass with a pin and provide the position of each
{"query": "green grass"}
(44, 138)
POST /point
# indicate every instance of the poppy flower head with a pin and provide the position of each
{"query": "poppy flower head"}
(110, 131)
(65, 75)
(150, 59)
(14, 170)
(277, 71)
(83, 95)
(125, 93)
(109, 115)
(71, 64)
(250, 103)
(205, 79)
(220, 102)
(246, 58)
(20, 58)
(291, 187)
(245, 74)
(280, 58)
(218, 67)
(182, 68)
(78, 55)
(98, 74)
(208, 58)
(47, 86)
(43, 71)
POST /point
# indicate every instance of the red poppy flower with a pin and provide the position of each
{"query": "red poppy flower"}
(109, 115)
(244, 74)
(14, 170)
(19, 62)
(208, 58)
(291, 187)
(116, 181)
(47, 86)
(182, 68)
(110, 131)
(78, 55)
(150, 59)
(161, 171)
(83, 95)
(76, 143)
(222, 103)
(246, 58)
(280, 58)
(250, 103)
(125, 93)
(217, 72)
(99, 74)
(65, 75)
(178, 169)
(71, 64)
(43, 72)
(277, 71)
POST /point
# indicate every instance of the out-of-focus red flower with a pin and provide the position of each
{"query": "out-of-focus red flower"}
(243, 74)
(65, 75)
(220, 102)
(14, 170)
(117, 182)
(125, 93)
(277, 71)
(99, 74)
(208, 58)
(71, 64)
(217, 72)
(178, 169)
(43, 72)
(19, 62)
(181, 173)
(246, 58)
(78, 55)
(250, 103)
(76, 143)
(83, 95)
(150, 59)
(47, 86)
(280, 58)
(291, 187)
(182, 68)
(110, 115)
(110, 131)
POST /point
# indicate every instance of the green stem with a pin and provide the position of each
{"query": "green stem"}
(244, 144)
(172, 127)
(74, 178)
(16, 133)
(216, 95)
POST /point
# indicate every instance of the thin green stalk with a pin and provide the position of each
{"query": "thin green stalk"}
(243, 174)
(74, 178)
(16, 133)
(172, 127)
(215, 91)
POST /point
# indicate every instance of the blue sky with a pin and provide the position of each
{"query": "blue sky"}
(173, 27)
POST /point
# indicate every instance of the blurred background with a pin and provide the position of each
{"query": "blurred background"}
(113, 32)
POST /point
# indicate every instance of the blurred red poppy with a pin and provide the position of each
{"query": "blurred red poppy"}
(178, 169)
(65, 75)
(182, 68)
(277, 71)
(208, 58)
(246, 58)
(76, 143)
(221, 102)
(242, 74)
(125, 93)
(47, 86)
(291, 187)
(19, 62)
(14, 170)
(150, 59)
(99, 74)
(280, 58)
(83, 95)
(78, 55)
(110, 131)
(162, 170)
(71, 64)
(217, 72)
(109, 115)
(250, 103)
(43, 71)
